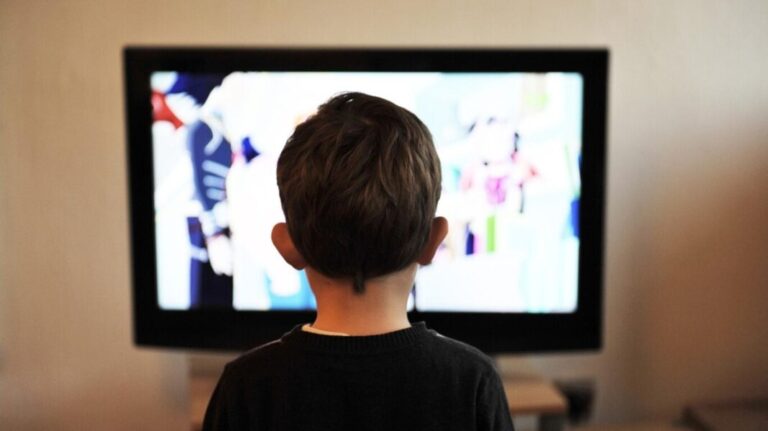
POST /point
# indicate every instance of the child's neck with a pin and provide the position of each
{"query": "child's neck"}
(380, 309)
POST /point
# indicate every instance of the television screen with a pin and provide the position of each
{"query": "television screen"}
(515, 132)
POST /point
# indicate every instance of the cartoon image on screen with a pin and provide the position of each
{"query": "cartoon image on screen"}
(509, 144)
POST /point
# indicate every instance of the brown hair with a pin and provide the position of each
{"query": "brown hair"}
(359, 183)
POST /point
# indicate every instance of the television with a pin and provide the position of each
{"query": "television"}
(521, 134)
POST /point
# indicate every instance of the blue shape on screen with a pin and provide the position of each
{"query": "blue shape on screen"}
(206, 288)
(249, 152)
(470, 243)
(197, 86)
(574, 218)
(301, 300)
(203, 155)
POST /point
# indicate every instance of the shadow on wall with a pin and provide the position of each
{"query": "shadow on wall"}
(704, 328)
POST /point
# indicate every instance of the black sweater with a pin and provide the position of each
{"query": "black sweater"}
(412, 379)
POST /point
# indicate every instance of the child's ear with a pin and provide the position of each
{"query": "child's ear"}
(436, 237)
(284, 245)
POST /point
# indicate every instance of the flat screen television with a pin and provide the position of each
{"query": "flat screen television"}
(521, 134)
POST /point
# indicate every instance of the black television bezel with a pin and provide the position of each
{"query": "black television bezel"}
(229, 330)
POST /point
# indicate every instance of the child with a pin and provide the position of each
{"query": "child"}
(359, 183)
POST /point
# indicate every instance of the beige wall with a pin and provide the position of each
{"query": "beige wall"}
(687, 237)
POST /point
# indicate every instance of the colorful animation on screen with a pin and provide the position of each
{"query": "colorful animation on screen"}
(509, 143)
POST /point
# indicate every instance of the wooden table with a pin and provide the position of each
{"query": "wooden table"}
(537, 397)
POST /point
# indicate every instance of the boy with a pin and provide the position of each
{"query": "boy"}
(359, 183)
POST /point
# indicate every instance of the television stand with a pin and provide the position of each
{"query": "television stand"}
(536, 396)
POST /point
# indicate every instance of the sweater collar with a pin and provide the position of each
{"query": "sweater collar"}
(356, 344)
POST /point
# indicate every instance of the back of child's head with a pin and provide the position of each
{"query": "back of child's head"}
(359, 183)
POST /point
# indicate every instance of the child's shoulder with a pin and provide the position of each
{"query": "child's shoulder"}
(263, 360)
(460, 353)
